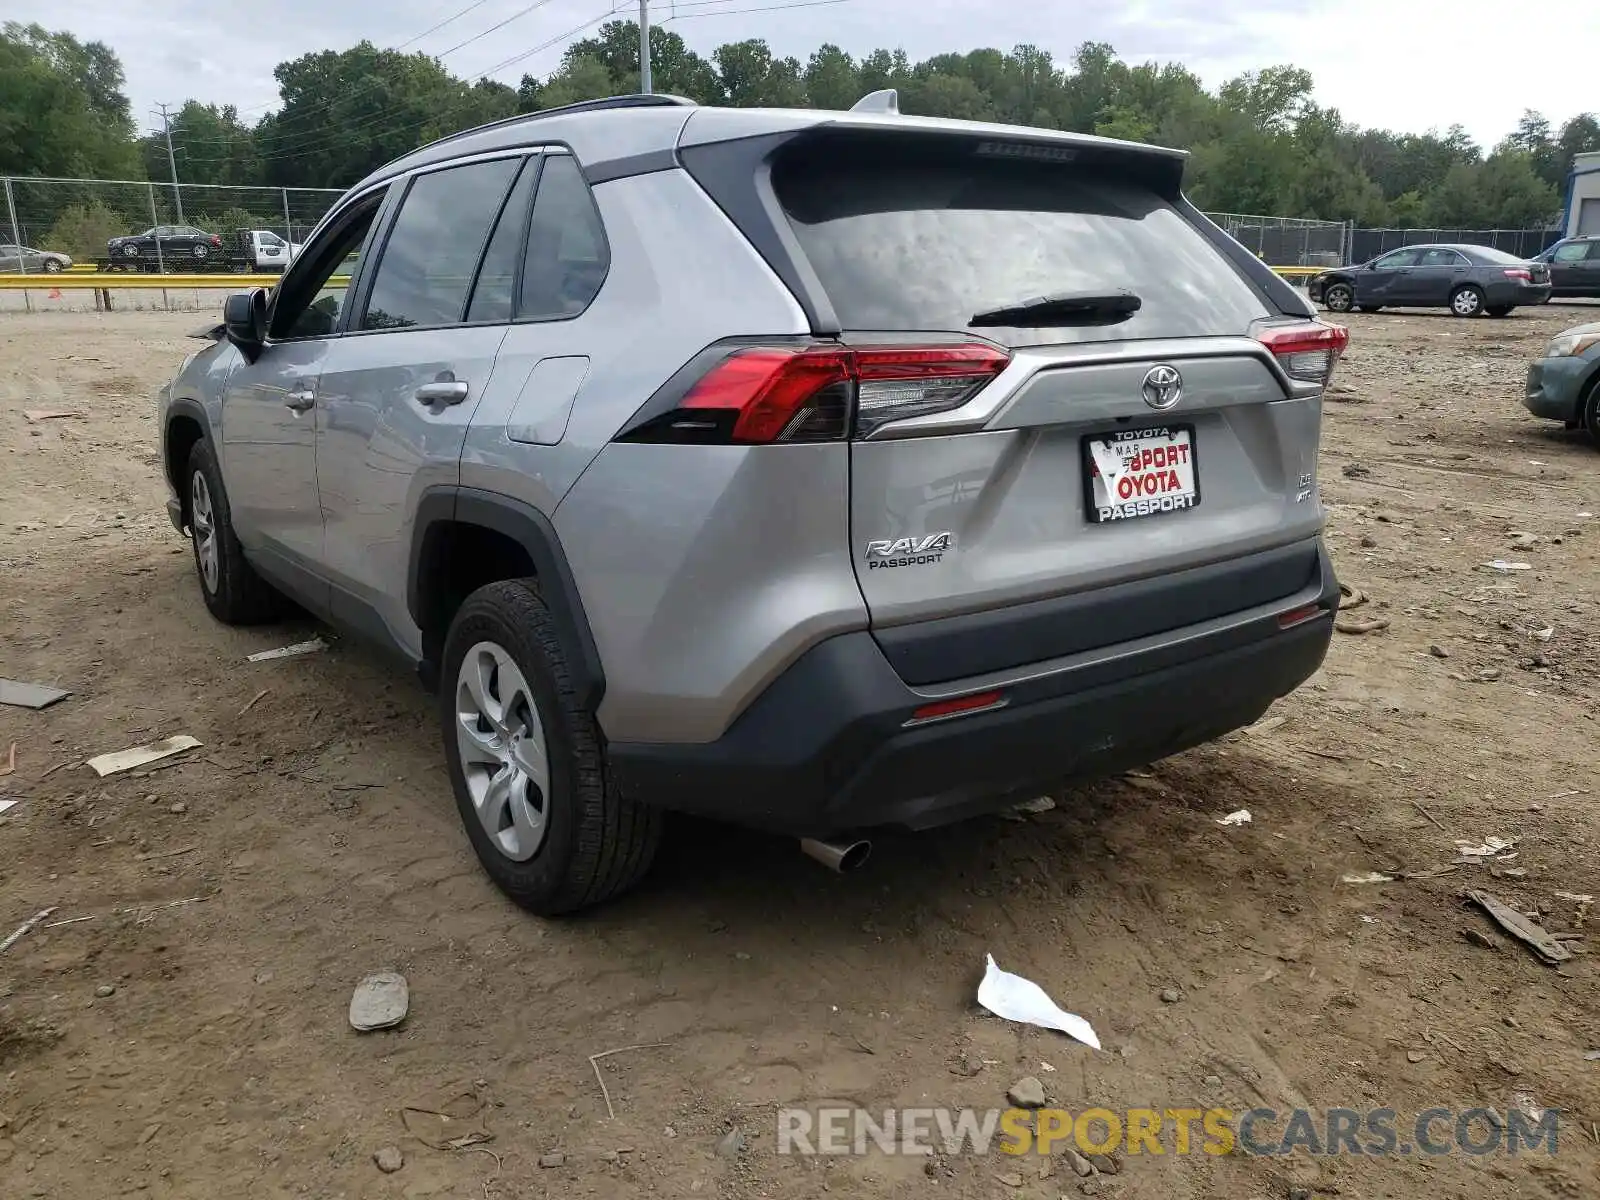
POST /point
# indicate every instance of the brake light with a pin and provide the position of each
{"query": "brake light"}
(771, 394)
(1521, 273)
(1306, 351)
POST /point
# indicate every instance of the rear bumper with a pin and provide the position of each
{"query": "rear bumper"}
(1510, 292)
(826, 748)
(1555, 385)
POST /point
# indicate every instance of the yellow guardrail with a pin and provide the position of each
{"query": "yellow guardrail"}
(118, 279)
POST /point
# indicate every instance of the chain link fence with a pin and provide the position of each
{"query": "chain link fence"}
(1367, 244)
(77, 217)
(1288, 241)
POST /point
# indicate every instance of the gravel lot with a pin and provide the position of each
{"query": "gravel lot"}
(188, 1039)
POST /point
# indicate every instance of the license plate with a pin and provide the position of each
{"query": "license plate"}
(1141, 473)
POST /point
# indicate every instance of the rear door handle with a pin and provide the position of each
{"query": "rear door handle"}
(300, 399)
(442, 391)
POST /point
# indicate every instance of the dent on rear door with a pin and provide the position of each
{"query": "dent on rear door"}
(1013, 500)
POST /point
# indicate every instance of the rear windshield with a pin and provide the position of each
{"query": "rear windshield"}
(1488, 254)
(924, 245)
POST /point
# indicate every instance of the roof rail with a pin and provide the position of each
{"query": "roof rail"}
(654, 100)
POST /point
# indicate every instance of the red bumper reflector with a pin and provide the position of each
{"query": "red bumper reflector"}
(1299, 616)
(961, 704)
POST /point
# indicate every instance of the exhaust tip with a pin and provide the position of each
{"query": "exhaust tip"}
(839, 857)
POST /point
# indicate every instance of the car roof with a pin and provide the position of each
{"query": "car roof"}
(627, 134)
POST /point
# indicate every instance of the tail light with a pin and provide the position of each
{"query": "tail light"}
(1308, 350)
(759, 395)
(1519, 273)
(216, 240)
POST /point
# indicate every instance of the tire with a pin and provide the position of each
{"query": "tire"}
(1338, 297)
(52, 266)
(1591, 413)
(233, 592)
(200, 251)
(1500, 310)
(1369, 308)
(130, 252)
(1466, 301)
(591, 843)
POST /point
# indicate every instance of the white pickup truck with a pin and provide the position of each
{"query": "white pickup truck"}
(266, 251)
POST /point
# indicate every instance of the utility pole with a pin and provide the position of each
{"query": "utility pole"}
(644, 46)
(172, 162)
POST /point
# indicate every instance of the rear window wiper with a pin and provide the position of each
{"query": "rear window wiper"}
(1064, 308)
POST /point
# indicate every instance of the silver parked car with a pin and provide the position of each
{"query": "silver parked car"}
(815, 471)
(15, 258)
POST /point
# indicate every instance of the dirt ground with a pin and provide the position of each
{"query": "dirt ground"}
(185, 1035)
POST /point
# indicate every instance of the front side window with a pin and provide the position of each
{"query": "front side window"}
(312, 295)
(432, 251)
(567, 252)
(1400, 258)
(1571, 252)
(492, 295)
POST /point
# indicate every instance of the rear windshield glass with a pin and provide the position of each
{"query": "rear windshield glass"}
(920, 245)
(1488, 254)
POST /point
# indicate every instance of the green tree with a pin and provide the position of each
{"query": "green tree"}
(209, 145)
(1534, 137)
(1580, 135)
(82, 230)
(751, 77)
(62, 111)
(832, 79)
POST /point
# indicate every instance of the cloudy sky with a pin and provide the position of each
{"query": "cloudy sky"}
(1400, 64)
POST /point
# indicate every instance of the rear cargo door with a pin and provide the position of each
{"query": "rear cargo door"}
(1115, 446)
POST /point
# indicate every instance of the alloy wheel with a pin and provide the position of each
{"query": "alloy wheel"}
(504, 758)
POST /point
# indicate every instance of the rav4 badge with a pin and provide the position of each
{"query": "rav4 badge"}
(908, 552)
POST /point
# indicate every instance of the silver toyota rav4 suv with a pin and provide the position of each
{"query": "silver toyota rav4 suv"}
(814, 471)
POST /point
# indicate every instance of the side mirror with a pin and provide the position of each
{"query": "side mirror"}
(244, 317)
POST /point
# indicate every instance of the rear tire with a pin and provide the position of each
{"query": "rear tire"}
(233, 592)
(527, 761)
(1466, 301)
(1338, 297)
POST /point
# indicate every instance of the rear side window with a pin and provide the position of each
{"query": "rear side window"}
(567, 253)
(428, 261)
(1496, 257)
(924, 245)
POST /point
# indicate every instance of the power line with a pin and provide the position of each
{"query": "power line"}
(730, 12)
(369, 125)
(309, 143)
(521, 12)
(440, 25)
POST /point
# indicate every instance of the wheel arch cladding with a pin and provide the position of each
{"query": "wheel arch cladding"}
(464, 538)
(186, 425)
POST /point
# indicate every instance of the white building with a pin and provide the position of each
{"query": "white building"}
(1583, 195)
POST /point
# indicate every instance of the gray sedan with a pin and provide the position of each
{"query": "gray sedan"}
(1564, 385)
(1468, 280)
(14, 258)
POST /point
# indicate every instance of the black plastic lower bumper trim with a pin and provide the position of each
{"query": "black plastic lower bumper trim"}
(825, 748)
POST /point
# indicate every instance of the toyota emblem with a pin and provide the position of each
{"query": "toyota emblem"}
(1163, 386)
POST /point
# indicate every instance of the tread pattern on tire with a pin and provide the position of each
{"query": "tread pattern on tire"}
(242, 596)
(614, 839)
